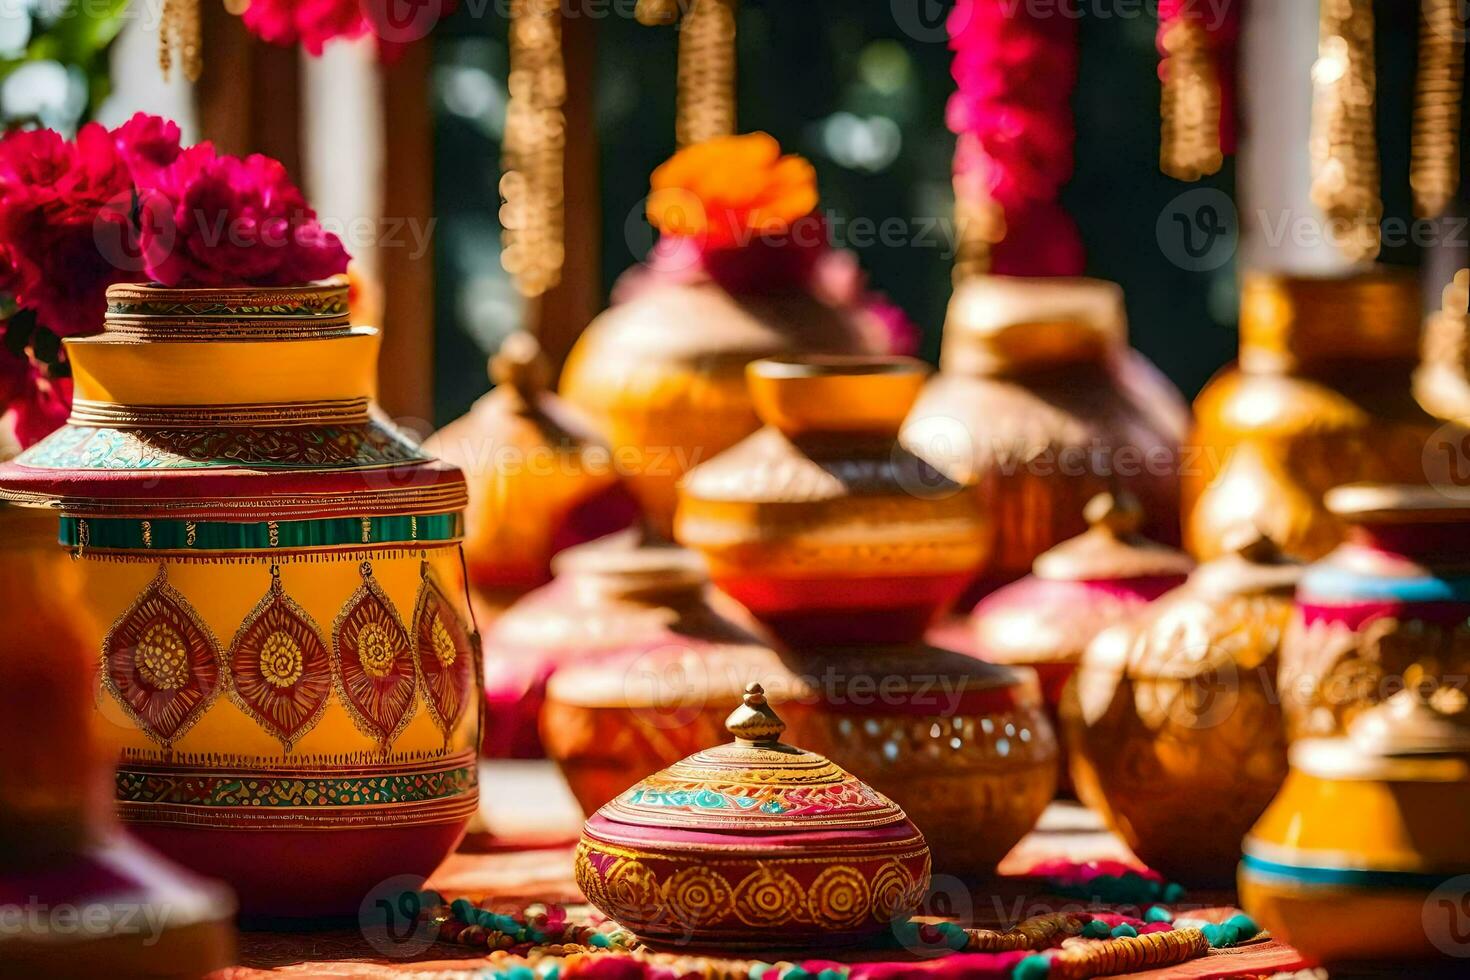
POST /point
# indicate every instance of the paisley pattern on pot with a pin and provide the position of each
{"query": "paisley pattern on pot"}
(162, 663)
(281, 673)
(374, 663)
(444, 655)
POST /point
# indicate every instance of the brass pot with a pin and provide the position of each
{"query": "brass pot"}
(1173, 723)
(1321, 396)
(821, 524)
(1041, 403)
(539, 479)
(663, 375)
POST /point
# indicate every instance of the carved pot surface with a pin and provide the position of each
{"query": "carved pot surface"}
(539, 479)
(1386, 608)
(1322, 396)
(753, 844)
(1362, 857)
(1175, 712)
(278, 575)
(611, 598)
(662, 375)
(1041, 404)
(821, 524)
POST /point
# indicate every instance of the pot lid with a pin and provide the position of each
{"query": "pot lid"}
(241, 405)
(1003, 324)
(1252, 565)
(754, 784)
(1111, 547)
(1421, 734)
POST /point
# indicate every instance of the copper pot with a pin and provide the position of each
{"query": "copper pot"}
(1041, 403)
(1174, 715)
(1321, 396)
(539, 479)
(663, 375)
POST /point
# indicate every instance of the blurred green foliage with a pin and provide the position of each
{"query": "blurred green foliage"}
(54, 60)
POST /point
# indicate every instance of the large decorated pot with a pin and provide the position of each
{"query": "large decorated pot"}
(1363, 857)
(1041, 404)
(663, 375)
(821, 524)
(539, 479)
(1175, 714)
(753, 844)
(285, 663)
(61, 847)
(1321, 396)
(1392, 599)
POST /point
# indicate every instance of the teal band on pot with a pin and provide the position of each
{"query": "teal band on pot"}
(134, 534)
(1343, 877)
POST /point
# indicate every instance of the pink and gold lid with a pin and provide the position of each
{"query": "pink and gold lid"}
(755, 784)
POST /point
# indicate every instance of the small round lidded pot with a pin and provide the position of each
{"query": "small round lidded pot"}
(1075, 591)
(753, 844)
(1363, 856)
(821, 523)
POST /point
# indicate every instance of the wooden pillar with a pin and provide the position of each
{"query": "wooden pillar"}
(249, 95)
(559, 315)
(406, 373)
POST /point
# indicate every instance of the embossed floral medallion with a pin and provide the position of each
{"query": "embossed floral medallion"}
(374, 662)
(280, 671)
(161, 662)
(444, 655)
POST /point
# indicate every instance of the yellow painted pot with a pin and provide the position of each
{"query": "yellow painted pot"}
(285, 665)
(663, 375)
(1363, 855)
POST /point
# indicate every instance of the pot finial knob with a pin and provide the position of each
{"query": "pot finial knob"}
(755, 722)
(521, 364)
(1118, 512)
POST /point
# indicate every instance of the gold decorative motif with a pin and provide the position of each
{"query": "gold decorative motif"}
(191, 533)
(367, 531)
(147, 527)
(631, 890)
(274, 531)
(444, 654)
(280, 669)
(769, 897)
(103, 415)
(698, 896)
(1344, 148)
(161, 663)
(839, 898)
(373, 663)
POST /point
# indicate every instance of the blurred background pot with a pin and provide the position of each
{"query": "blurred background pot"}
(61, 847)
(821, 524)
(1075, 590)
(286, 661)
(615, 596)
(1362, 856)
(1392, 599)
(539, 479)
(1321, 396)
(1174, 715)
(662, 375)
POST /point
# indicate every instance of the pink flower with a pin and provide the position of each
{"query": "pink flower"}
(148, 144)
(313, 23)
(34, 403)
(213, 220)
(60, 204)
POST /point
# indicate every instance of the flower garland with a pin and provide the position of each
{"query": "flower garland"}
(315, 23)
(736, 211)
(541, 943)
(1012, 118)
(126, 205)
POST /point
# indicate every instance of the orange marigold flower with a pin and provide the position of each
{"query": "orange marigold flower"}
(730, 190)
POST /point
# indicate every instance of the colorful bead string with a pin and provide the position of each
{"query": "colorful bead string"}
(1108, 883)
(542, 943)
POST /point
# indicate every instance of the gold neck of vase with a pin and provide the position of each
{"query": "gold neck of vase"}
(1290, 322)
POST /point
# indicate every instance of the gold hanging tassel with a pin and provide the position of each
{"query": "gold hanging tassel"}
(533, 154)
(706, 65)
(1190, 102)
(1434, 170)
(980, 224)
(178, 33)
(1344, 147)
